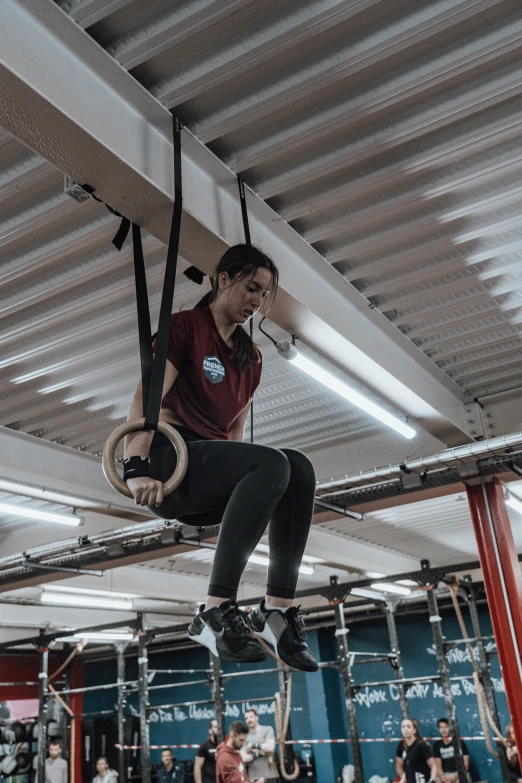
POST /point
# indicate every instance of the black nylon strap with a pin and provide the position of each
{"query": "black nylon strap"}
(142, 304)
(155, 389)
(248, 241)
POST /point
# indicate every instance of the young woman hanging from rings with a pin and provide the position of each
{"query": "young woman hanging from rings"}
(213, 370)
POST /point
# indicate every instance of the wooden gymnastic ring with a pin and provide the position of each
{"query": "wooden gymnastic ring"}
(111, 474)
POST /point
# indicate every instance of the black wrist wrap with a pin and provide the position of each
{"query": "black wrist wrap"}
(136, 467)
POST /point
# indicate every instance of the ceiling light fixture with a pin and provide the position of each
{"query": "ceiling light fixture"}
(260, 560)
(362, 593)
(374, 574)
(40, 516)
(43, 493)
(391, 587)
(99, 636)
(85, 601)
(314, 370)
(88, 591)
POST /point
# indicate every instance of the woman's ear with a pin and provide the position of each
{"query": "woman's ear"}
(223, 281)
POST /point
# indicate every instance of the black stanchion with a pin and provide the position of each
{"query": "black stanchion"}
(217, 696)
(42, 711)
(349, 693)
(390, 607)
(143, 690)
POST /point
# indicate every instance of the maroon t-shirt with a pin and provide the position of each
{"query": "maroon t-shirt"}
(210, 391)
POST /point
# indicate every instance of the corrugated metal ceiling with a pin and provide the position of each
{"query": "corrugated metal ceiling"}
(386, 133)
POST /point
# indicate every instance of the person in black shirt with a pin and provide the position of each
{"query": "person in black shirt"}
(170, 771)
(205, 762)
(444, 752)
(414, 762)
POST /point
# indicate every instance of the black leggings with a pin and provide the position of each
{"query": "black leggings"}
(243, 487)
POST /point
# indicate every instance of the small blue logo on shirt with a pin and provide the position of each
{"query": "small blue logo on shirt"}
(213, 369)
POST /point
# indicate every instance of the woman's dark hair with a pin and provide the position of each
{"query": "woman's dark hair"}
(240, 261)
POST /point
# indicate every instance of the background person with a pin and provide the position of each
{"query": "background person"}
(205, 761)
(105, 773)
(445, 753)
(259, 750)
(230, 767)
(414, 762)
(55, 766)
(169, 771)
(515, 775)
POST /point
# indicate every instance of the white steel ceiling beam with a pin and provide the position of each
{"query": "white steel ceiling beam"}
(132, 171)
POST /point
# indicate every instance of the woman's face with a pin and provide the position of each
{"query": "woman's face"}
(243, 298)
(101, 766)
(407, 729)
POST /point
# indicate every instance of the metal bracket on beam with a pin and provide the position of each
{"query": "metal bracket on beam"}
(28, 563)
(345, 512)
(335, 593)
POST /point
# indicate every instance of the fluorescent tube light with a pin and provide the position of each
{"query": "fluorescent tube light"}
(41, 516)
(42, 493)
(334, 384)
(407, 582)
(88, 591)
(260, 560)
(513, 502)
(99, 636)
(306, 558)
(374, 574)
(363, 593)
(391, 587)
(88, 602)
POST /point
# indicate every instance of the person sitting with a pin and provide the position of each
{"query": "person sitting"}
(513, 760)
(105, 774)
(230, 767)
(414, 762)
(444, 753)
(170, 772)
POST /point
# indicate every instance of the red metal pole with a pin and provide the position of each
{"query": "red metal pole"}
(503, 583)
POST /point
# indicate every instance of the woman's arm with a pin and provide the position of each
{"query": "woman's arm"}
(237, 431)
(432, 764)
(137, 444)
(399, 766)
(147, 491)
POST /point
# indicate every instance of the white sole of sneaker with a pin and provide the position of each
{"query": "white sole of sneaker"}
(268, 636)
(207, 639)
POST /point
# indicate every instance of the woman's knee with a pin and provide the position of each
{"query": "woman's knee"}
(273, 463)
(301, 467)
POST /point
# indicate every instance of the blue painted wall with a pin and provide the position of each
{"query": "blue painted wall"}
(318, 700)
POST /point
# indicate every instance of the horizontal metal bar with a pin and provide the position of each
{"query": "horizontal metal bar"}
(106, 687)
(178, 684)
(180, 671)
(345, 512)
(471, 639)
(45, 638)
(66, 569)
(446, 457)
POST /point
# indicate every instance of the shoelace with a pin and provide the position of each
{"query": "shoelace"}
(295, 616)
(235, 620)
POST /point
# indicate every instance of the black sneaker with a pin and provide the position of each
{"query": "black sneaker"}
(224, 632)
(285, 632)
